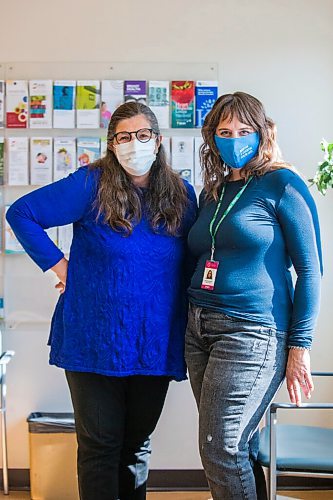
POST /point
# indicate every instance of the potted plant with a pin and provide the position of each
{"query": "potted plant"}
(323, 177)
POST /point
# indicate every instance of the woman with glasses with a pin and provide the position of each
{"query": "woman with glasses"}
(248, 327)
(118, 327)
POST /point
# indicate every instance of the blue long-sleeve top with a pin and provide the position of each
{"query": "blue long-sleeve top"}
(273, 226)
(123, 311)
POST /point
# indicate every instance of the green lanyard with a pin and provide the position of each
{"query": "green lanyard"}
(223, 216)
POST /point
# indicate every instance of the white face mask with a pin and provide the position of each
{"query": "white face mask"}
(136, 157)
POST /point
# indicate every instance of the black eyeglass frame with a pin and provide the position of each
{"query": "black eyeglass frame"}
(114, 137)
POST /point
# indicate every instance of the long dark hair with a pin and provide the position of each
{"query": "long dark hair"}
(119, 201)
(250, 111)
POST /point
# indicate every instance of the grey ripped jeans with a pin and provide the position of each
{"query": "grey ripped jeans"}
(235, 367)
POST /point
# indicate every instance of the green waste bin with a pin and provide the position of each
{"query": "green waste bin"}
(53, 450)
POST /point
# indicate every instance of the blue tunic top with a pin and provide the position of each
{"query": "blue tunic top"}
(273, 226)
(123, 311)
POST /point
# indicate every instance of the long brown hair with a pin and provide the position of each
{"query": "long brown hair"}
(119, 201)
(250, 111)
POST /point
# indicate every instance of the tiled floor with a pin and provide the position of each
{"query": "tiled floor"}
(191, 495)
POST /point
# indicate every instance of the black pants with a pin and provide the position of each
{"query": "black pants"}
(114, 417)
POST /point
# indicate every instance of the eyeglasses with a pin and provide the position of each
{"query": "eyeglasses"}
(142, 135)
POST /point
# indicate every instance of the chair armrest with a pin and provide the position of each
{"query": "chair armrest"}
(6, 357)
(304, 406)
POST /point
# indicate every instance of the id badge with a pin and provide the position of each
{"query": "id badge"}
(208, 280)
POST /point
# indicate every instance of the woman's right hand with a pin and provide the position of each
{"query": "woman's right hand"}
(60, 269)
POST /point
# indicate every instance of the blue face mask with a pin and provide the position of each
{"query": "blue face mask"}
(237, 152)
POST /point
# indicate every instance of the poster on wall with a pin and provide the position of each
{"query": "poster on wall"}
(16, 103)
(40, 103)
(40, 161)
(64, 157)
(159, 101)
(64, 104)
(182, 104)
(88, 99)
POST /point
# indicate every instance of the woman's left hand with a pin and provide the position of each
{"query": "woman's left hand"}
(298, 375)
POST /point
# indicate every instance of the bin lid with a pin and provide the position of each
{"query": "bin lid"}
(50, 423)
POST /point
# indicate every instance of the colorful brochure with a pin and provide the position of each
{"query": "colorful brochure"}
(112, 97)
(205, 96)
(40, 103)
(65, 236)
(64, 104)
(64, 157)
(2, 153)
(2, 103)
(12, 245)
(17, 161)
(135, 90)
(88, 150)
(16, 103)
(182, 104)
(159, 101)
(182, 157)
(88, 99)
(198, 141)
(40, 160)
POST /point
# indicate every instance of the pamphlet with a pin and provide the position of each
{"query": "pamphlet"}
(182, 102)
(205, 96)
(112, 97)
(159, 101)
(88, 98)
(88, 150)
(16, 103)
(64, 104)
(40, 103)
(40, 161)
(64, 157)
(182, 157)
(135, 90)
(17, 161)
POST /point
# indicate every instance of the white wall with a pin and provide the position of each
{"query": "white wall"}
(280, 51)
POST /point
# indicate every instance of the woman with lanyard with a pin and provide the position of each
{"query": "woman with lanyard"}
(247, 327)
(118, 327)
